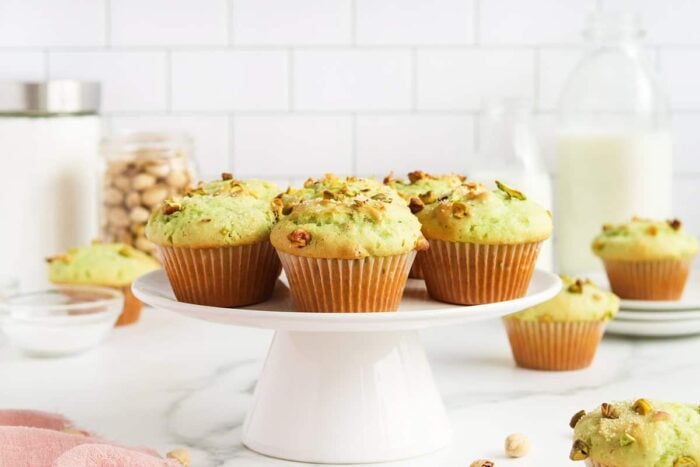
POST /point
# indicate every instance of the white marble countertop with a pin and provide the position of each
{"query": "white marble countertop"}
(170, 381)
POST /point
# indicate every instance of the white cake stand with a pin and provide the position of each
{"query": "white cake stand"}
(346, 387)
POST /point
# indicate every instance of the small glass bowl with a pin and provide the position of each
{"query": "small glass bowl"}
(8, 286)
(60, 321)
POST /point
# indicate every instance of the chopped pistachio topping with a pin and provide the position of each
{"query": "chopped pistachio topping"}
(609, 411)
(642, 407)
(627, 439)
(299, 238)
(511, 192)
(577, 416)
(416, 205)
(579, 451)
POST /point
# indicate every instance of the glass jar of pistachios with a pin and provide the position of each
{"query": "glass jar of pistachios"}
(141, 170)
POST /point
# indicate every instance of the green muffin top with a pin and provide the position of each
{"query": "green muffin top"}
(348, 228)
(428, 188)
(333, 187)
(222, 213)
(579, 300)
(257, 188)
(640, 433)
(645, 239)
(108, 264)
(473, 214)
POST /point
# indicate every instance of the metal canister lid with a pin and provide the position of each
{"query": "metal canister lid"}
(55, 97)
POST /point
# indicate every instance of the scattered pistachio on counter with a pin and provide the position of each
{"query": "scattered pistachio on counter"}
(482, 463)
(517, 445)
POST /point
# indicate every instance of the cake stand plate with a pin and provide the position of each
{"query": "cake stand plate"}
(343, 388)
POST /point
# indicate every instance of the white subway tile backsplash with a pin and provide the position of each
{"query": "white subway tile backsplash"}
(292, 146)
(554, 67)
(229, 80)
(298, 22)
(665, 22)
(686, 190)
(403, 143)
(343, 79)
(686, 140)
(680, 72)
(286, 89)
(532, 22)
(388, 22)
(168, 23)
(210, 135)
(50, 23)
(450, 79)
(22, 66)
(131, 81)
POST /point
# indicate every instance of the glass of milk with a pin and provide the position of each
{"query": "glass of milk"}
(509, 151)
(614, 151)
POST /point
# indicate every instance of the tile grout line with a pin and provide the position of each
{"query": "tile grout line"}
(414, 80)
(477, 140)
(47, 63)
(477, 22)
(353, 127)
(168, 81)
(230, 138)
(353, 23)
(108, 23)
(536, 80)
(290, 79)
(230, 11)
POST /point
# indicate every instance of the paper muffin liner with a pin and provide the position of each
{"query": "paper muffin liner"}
(554, 346)
(132, 307)
(228, 276)
(472, 274)
(347, 285)
(648, 280)
(592, 463)
(416, 271)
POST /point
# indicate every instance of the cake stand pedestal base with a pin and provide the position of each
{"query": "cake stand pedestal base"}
(355, 397)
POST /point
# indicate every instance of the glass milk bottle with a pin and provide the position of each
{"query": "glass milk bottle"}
(614, 145)
(509, 152)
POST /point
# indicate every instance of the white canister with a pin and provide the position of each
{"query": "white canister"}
(49, 135)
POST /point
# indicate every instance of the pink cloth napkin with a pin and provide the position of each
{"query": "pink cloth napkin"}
(41, 439)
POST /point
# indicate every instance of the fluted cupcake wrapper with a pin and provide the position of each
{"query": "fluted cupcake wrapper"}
(347, 285)
(472, 274)
(592, 463)
(648, 280)
(416, 271)
(554, 346)
(228, 276)
(132, 308)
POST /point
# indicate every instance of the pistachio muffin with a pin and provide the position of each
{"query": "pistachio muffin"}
(347, 254)
(334, 187)
(638, 433)
(483, 244)
(114, 265)
(562, 333)
(423, 188)
(261, 189)
(646, 259)
(214, 242)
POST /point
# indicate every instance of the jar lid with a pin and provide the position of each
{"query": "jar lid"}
(55, 97)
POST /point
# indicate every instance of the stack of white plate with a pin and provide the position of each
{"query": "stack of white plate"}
(660, 318)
